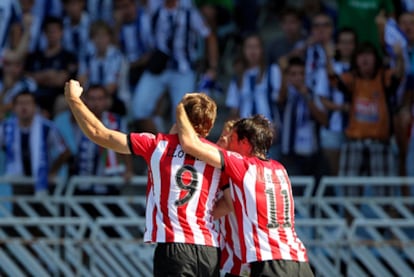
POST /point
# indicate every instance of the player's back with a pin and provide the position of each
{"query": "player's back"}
(264, 208)
(181, 192)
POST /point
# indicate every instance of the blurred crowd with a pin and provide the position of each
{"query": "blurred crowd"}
(336, 78)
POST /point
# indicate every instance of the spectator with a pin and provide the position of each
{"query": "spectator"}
(132, 26)
(103, 65)
(13, 82)
(37, 39)
(76, 23)
(32, 144)
(175, 29)
(407, 5)
(360, 16)
(9, 21)
(259, 83)
(101, 10)
(394, 33)
(369, 87)
(314, 7)
(216, 12)
(339, 61)
(302, 117)
(257, 90)
(48, 8)
(321, 38)
(406, 23)
(292, 38)
(51, 67)
(90, 159)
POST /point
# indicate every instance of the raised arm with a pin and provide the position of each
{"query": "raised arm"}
(92, 126)
(191, 143)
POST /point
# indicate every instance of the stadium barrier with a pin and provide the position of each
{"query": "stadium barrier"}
(65, 235)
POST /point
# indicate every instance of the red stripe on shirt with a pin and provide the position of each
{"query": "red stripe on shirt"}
(238, 210)
(165, 184)
(202, 203)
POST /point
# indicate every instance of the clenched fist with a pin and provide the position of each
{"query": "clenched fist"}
(73, 89)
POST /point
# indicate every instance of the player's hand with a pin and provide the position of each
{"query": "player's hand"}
(73, 89)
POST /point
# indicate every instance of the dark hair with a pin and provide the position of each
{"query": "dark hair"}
(258, 130)
(49, 20)
(291, 11)
(363, 48)
(296, 61)
(23, 93)
(345, 30)
(319, 14)
(263, 60)
(100, 25)
(97, 87)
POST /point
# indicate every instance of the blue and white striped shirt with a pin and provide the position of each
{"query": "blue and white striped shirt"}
(337, 119)
(299, 134)
(136, 37)
(184, 26)
(43, 8)
(24, 84)
(102, 70)
(100, 10)
(9, 12)
(255, 97)
(76, 38)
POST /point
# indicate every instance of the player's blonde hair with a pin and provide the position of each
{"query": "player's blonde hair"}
(228, 125)
(201, 111)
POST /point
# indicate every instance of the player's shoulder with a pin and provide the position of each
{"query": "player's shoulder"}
(143, 135)
(278, 167)
(209, 142)
(233, 154)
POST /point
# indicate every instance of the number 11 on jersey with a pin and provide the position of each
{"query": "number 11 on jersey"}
(272, 207)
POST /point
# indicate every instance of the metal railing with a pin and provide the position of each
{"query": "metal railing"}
(66, 235)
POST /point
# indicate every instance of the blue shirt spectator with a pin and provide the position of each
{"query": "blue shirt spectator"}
(103, 64)
(10, 14)
(176, 30)
(76, 26)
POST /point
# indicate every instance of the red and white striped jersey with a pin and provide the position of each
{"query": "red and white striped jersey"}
(230, 248)
(181, 191)
(264, 208)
